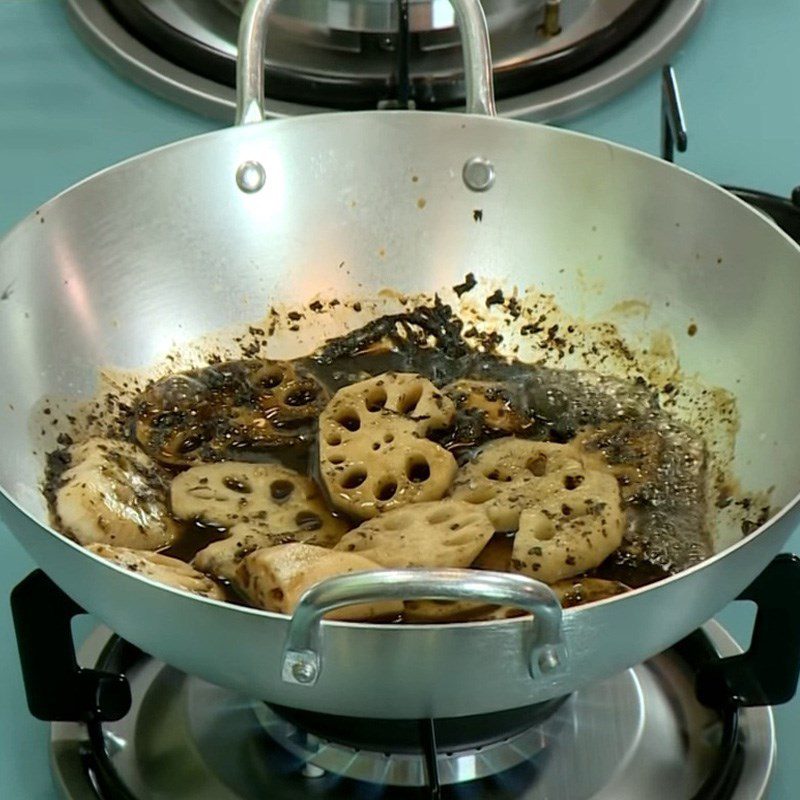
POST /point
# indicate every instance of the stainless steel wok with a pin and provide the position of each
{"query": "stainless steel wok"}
(122, 266)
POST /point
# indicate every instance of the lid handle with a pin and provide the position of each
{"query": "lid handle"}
(253, 36)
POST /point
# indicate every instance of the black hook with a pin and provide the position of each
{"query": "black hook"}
(673, 123)
(403, 47)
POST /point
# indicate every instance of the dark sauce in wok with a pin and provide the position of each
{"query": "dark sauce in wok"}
(659, 462)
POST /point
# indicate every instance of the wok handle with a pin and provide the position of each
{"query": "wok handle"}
(474, 30)
(302, 657)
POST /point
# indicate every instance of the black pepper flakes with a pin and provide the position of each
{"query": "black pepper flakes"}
(467, 286)
(496, 298)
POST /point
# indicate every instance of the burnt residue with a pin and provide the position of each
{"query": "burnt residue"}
(57, 463)
(7, 292)
(417, 330)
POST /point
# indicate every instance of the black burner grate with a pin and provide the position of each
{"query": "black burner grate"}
(766, 674)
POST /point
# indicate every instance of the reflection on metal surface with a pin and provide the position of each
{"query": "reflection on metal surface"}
(639, 734)
(335, 62)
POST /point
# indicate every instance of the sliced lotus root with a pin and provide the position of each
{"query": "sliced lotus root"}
(580, 591)
(114, 494)
(492, 402)
(266, 498)
(447, 533)
(563, 503)
(374, 456)
(434, 611)
(166, 570)
(275, 578)
(221, 558)
(233, 410)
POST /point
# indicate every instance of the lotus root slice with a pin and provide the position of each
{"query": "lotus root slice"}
(160, 568)
(446, 533)
(267, 498)
(563, 503)
(276, 578)
(374, 456)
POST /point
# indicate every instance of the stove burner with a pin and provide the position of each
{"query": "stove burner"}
(392, 752)
(403, 736)
(551, 59)
(188, 740)
(354, 66)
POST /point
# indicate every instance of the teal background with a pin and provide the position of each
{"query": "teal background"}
(64, 114)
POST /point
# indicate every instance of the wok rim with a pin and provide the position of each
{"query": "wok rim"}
(332, 118)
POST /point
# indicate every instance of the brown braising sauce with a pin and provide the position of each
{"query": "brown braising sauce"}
(659, 462)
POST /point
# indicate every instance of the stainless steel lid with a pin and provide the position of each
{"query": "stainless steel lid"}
(552, 59)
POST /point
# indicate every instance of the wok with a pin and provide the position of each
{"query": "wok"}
(120, 267)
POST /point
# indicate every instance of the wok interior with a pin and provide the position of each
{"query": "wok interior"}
(164, 249)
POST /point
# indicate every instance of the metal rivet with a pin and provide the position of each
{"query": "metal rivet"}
(251, 177)
(479, 174)
(304, 672)
(312, 771)
(548, 660)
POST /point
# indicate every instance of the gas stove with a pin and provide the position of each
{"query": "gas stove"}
(693, 723)
(553, 58)
(641, 734)
(72, 115)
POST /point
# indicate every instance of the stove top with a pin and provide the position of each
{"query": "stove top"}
(68, 115)
(641, 734)
(552, 58)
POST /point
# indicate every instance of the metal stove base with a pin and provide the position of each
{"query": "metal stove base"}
(109, 39)
(640, 735)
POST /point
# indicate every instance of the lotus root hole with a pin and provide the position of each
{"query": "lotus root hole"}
(280, 490)
(189, 443)
(272, 377)
(376, 445)
(302, 396)
(353, 478)
(386, 489)
(336, 460)
(440, 515)
(497, 475)
(388, 438)
(276, 595)
(240, 485)
(566, 510)
(538, 465)
(376, 399)
(572, 481)
(410, 398)
(333, 439)
(349, 419)
(417, 469)
(308, 521)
